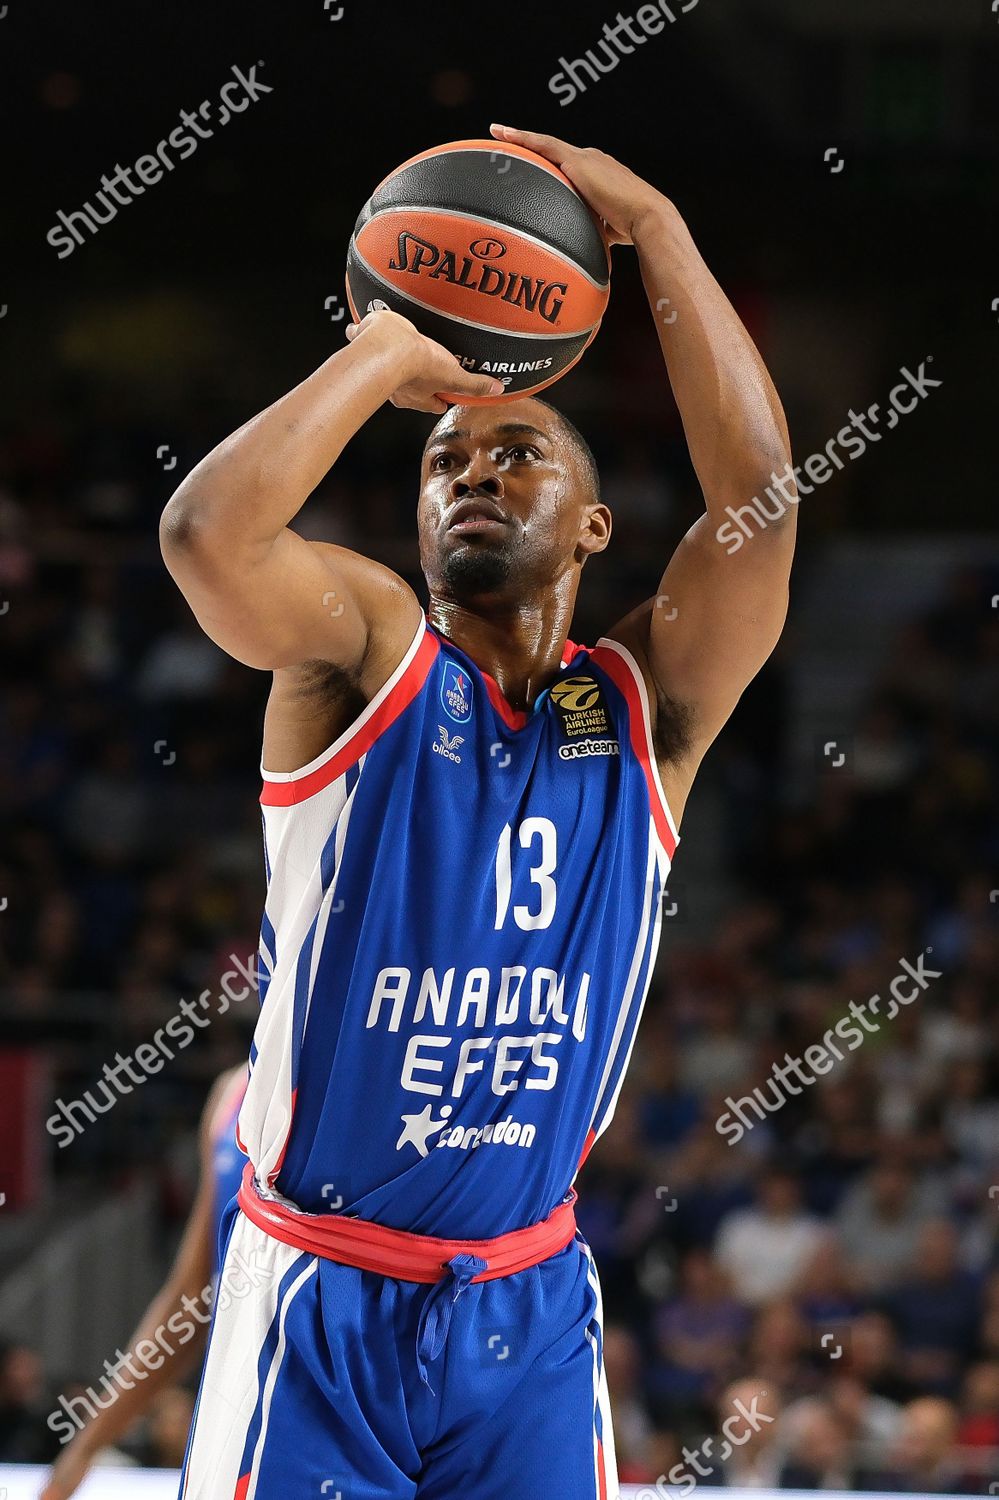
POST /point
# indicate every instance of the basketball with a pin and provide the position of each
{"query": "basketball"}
(489, 250)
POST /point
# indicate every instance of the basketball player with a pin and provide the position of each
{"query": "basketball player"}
(196, 1261)
(468, 821)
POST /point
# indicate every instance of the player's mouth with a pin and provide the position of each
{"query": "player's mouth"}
(476, 515)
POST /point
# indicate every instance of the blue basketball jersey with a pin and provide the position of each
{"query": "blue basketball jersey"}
(462, 915)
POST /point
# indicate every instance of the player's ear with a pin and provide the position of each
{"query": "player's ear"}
(595, 530)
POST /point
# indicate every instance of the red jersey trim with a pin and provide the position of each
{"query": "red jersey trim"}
(285, 788)
(623, 670)
(513, 718)
(591, 1136)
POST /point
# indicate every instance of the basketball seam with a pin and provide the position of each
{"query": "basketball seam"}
(452, 147)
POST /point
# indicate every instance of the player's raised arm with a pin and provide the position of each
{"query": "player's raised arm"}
(723, 598)
(261, 592)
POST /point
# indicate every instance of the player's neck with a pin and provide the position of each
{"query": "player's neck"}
(520, 646)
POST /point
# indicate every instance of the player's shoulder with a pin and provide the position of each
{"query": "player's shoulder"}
(392, 615)
(386, 601)
(632, 634)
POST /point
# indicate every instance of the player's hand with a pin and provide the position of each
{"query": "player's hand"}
(616, 195)
(429, 368)
(68, 1472)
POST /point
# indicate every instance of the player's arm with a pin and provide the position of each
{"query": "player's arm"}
(723, 598)
(264, 594)
(726, 604)
(189, 1276)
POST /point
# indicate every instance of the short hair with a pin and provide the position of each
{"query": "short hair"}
(570, 431)
(580, 444)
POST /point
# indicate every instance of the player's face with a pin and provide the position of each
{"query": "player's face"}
(505, 502)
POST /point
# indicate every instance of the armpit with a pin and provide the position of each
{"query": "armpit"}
(673, 735)
(324, 682)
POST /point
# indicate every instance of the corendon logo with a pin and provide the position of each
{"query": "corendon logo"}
(421, 258)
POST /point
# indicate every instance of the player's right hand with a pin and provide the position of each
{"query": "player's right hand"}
(429, 368)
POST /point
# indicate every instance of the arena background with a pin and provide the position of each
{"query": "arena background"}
(836, 161)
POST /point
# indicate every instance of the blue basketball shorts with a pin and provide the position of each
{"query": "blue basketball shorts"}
(325, 1380)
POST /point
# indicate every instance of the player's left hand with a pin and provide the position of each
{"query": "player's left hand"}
(616, 195)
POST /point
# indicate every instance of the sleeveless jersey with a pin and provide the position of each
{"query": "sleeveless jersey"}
(228, 1160)
(462, 915)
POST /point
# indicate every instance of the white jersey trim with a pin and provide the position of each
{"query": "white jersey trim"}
(643, 698)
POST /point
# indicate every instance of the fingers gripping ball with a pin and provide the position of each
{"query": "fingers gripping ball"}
(490, 250)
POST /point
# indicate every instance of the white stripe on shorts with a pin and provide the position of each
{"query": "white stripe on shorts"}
(229, 1389)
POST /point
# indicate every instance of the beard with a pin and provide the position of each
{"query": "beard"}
(470, 571)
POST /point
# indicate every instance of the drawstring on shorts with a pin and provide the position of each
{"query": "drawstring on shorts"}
(435, 1317)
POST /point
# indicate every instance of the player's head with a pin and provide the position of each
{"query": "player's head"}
(535, 481)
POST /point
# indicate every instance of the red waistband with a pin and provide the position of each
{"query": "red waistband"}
(396, 1252)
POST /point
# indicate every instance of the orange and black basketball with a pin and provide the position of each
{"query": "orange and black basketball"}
(490, 250)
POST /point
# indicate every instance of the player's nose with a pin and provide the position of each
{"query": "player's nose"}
(481, 476)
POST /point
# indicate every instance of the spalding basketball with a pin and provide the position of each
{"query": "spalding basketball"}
(489, 250)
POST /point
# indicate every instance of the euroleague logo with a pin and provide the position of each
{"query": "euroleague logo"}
(583, 718)
(576, 693)
(476, 271)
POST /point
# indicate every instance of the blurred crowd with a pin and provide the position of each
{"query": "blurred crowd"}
(841, 1255)
(836, 1271)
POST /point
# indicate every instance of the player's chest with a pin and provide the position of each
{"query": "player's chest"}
(569, 741)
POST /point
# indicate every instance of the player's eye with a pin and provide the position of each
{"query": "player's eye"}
(437, 460)
(522, 452)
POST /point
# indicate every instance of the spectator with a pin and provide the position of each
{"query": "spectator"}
(698, 1334)
(936, 1313)
(923, 1462)
(825, 1290)
(766, 1248)
(979, 1424)
(632, 1425)
(872, 1360)
(818, 1449)
(880, 1219)
(181, 664)
(25, 1438)
(748, 1418)
(778, 1346)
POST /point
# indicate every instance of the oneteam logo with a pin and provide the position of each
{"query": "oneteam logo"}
(582, 748)
(448, 745)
